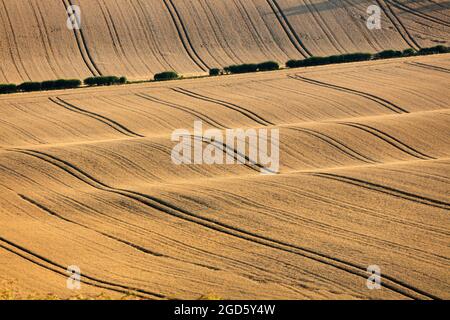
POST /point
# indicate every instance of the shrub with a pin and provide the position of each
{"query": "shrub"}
(91, 81)
(214, 72)
(123, 80)
(48, 85)
(8, 88)
(68, 83)
(242, 68)
(313, 61)
(353, 57)
(167, 75)
(319, 61)
(387, 54)
(441, 49)
(102, 81)
(294, 63)
(29, 86)
(350, 57)
(268, 66)
(251, 67)
(434, 50)
(60, 84)
(245, 68)
(108, 80)
(408, 52)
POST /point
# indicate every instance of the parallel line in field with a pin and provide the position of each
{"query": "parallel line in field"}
(396, 143)
(381, 101)
(82, 45)
(235, 154)
(57, 268)
(335, 143)
(418, 13)
(385, 190)
(117, 45)
(444, 5)
(54, 214)
(367, 211)
(149, 36)
(37, 14)
(288, 29)
(363, 238)
(190, 111)
(143, 58)
(398, 24)
(249, 114)
(371, 40)
(429, 67)
(254, 30)
(163, 206)
(184, 35)
(323, 26)
(109, 122)
(17, 62)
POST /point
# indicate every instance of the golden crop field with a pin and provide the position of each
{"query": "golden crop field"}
(358, 174)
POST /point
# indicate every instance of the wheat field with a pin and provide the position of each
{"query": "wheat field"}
(86, 176)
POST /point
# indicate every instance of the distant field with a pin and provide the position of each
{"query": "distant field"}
(86, 179)
(140, 38)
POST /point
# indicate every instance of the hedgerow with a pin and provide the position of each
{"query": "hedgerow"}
(409, 52)
(241, 68)
(434, 50)
(123, 80)
(167, 75)
(29, 86)
(60, 84)
(319, 61)
(388, 54)
(7, 88)
(353, 57)
(214, 72)
(268, 66)
(103, 81)
(251, 67)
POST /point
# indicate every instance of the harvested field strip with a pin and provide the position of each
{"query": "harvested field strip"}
(57, 268)
(82, 46)
(50, 212)
(184, 36)
(87, 179)
(389, 139)
(321, 23)
(390, 191)
(195, 113)
(13, 45)
(372, 97)
(429, 67)
(111, 123)
(163, 206)
(129, 35)
(398, 24)
(418, 13)
(339, 145)
(251, 115)
(287, 27)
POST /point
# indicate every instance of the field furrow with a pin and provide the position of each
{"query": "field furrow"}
(286, 184)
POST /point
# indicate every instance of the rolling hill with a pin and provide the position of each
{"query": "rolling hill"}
(87, 178)
(140, 38)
